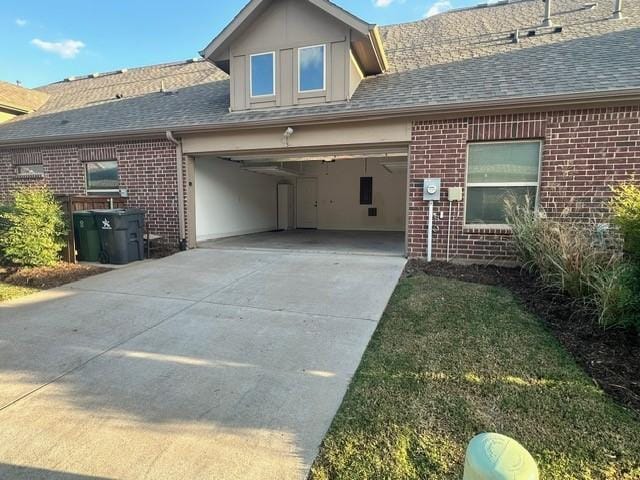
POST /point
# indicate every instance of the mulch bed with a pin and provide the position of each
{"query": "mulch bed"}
(48, 277)
(611, 357)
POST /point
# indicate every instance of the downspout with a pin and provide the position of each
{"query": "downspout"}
(547, 22)
(181, 223)
(617, 11)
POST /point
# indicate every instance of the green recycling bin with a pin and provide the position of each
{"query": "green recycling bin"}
(87, 236)
(121, 235)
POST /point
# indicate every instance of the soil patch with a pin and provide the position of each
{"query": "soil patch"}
(611, 357)
(48, 277)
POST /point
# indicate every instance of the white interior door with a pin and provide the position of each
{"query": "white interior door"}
(307, 204)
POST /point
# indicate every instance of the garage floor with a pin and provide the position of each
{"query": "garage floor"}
(224, 364)
(318, 241)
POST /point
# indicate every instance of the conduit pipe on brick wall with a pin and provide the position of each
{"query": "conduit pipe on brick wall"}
(180, 176)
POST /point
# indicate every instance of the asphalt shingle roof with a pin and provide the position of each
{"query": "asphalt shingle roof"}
(450, 59)
(16, 97)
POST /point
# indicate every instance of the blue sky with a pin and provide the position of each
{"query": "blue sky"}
(45, 41)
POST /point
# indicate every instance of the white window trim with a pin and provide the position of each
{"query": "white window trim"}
(104, 191)
(273, 59)
(324, 69)
(494, 226)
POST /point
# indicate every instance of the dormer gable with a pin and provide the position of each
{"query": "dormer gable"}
(295, 52)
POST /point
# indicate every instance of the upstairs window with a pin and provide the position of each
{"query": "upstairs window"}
(263, 75)
(312, 70)
(102, 177)
(496, 170)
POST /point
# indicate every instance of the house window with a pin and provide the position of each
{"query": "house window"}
(263, 75)
(366, 191)
(36, 170)
(312, 70)
(102, 177)
(496, 170)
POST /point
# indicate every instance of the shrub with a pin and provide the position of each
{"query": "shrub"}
(34, 228)
(578, 259)
(626, 215)
(564, 252)
(616, 295)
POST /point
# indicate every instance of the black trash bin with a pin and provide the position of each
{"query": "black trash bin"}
(121, 235)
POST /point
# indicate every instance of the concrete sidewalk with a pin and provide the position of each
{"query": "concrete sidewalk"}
(208, 364)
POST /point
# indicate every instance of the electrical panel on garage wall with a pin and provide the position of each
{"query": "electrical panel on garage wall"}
(366, 190)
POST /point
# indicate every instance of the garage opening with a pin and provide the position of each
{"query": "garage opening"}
(352, 202)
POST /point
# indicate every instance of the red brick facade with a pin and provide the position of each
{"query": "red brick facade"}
(586, 152)
(147, 169)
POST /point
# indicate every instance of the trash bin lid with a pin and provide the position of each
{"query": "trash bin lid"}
(119, 211)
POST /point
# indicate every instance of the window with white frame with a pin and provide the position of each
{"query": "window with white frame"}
(496, 170)
(312, 69)
(102, 177)
(263, 74)
(34, 170)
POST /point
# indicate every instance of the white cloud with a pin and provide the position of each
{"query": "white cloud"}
(382, 3)
(21, 22)
(439, 7)
(64, 48)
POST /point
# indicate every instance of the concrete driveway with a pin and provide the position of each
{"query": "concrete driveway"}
(211, 364)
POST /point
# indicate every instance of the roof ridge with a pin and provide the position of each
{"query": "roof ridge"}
(93, 76)
(483, 5)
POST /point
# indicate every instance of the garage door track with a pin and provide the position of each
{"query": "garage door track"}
(211, 364)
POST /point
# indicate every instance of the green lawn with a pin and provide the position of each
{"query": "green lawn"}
(10, 292)
(452, 359)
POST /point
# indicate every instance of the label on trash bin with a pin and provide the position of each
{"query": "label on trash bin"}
(106, 225)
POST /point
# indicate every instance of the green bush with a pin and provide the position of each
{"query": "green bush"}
(616, 295)
(34, 228)
(626, 215)
(583, 261)
(564, 252)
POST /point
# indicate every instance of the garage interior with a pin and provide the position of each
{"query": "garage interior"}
(348, 202)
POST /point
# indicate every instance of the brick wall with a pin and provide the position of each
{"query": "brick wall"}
(586, 152)
(146, 169)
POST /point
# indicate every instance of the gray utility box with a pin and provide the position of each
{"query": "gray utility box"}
(121, 235)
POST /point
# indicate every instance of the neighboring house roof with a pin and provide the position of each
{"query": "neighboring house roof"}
(21, 100)
(451, 61)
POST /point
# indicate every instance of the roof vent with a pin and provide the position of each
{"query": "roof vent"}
(531, 33)
(515, 36)
(558, 29)
(617, 11)
(123, 70)
(94, 75)
(69, 79)
(546, 22)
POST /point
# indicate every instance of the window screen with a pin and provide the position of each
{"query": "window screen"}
(497, 170)
(311, 68)
(102, 176)
(366, 191)
(263, 80)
